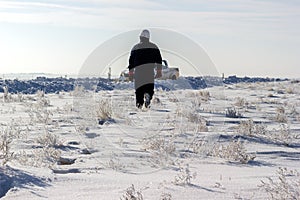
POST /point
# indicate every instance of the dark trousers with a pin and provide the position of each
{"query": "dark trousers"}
(141, 91)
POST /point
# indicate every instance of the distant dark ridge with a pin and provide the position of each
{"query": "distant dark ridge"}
(55, 85)
(49, 85)
(235, 79)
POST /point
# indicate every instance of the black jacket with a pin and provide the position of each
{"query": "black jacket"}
(144, 57)
(144, 52)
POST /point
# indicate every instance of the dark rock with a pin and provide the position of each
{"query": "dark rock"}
(85, 151)
(65, 171)
(66, 161)
(73, 143)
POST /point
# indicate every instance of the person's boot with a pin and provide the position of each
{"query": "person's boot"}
(138, 105)
(147, 100)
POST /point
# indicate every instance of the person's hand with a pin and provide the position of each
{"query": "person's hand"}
(130, 75)
(158, 74)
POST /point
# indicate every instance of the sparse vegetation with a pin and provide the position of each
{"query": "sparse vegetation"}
(166, 196)
(285, 186)
(5, 146)
(294, 111)
(232, 113)
(144, 141)
(241, 102)
(103, 111)
(185, 176)
(115, 163)
(281, 115)
(283, 135)
(49, 140)
(8, 134)
(198, 146)
(42, 101)
(38, 111)
(78, 91)
(161, 149)
(6, 95)
(46, 155)
(234, 151)
(132, 194)
(203, 95)
(81, 128)
(250, 128)
(198, 122)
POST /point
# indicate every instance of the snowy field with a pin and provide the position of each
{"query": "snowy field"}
(238, 141)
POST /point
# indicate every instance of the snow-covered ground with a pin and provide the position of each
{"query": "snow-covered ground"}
(216, 143)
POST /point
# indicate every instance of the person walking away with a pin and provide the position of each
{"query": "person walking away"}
(144, 58)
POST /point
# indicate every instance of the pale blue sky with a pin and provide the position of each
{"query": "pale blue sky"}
(242, 37)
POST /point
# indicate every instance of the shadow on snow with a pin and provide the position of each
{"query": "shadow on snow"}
(10, 178)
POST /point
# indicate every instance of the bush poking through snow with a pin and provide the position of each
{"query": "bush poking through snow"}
(160, 148)
(165, 196)
(7, 135)
(283, 135)
(281, 115)
(50, 156)
(198, 146)
(132, 194)
(249, 128)
(235, 151)
(5, 93)
(38, 112)
(199, 123)
(81, 128)
(201, 95)
(78, 91)
(5, 145)
(286, 186)
(42, 157)
(115, 163)
(103, 111)
(42, 101)
(185, 176)
(241, 102)
(232, 113)
(49, 140)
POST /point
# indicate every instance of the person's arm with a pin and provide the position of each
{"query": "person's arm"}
(158, 61)
(158, 73)
(131, 59)
(131, 64)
